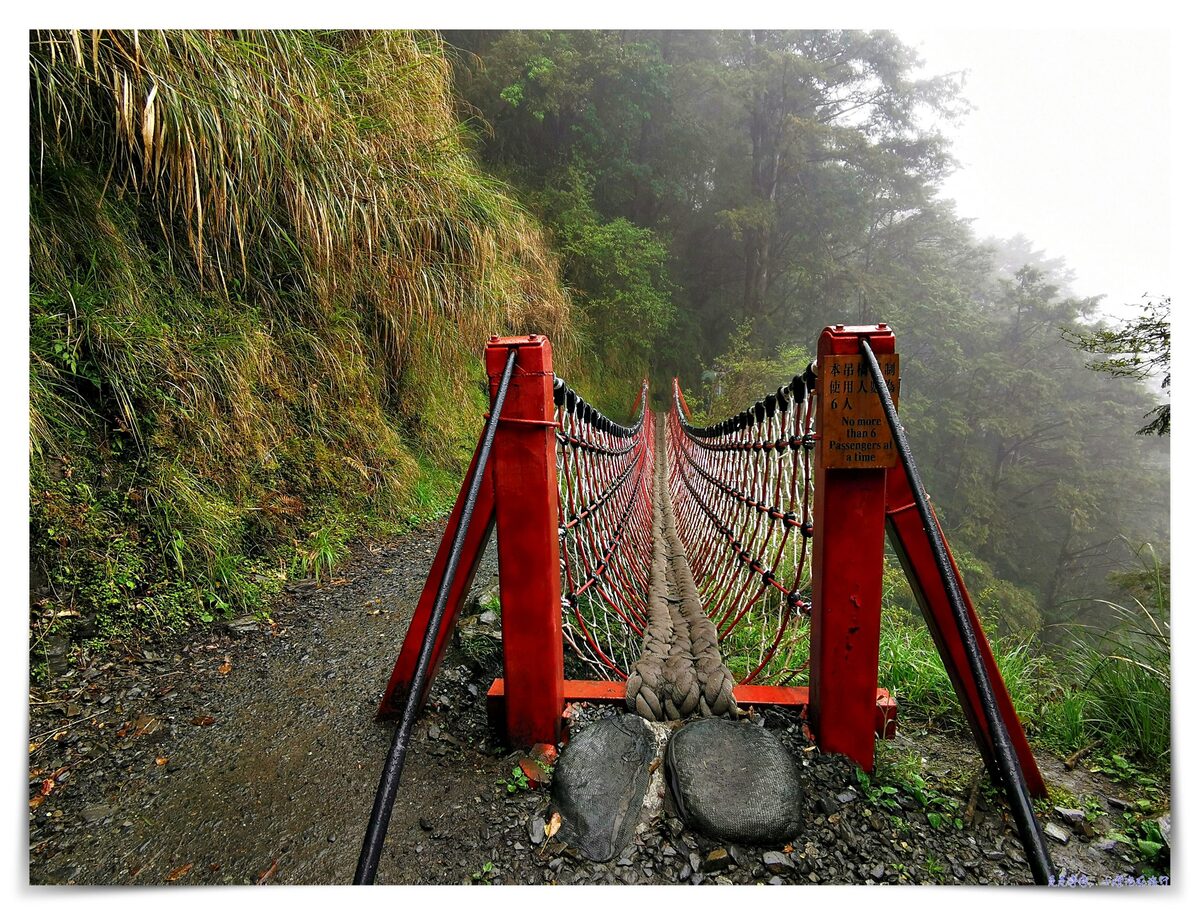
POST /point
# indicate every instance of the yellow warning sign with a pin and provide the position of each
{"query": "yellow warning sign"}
(854, 429)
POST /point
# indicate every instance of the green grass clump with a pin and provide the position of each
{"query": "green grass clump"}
(262, 269)
(1118, 698)
(911, 668)
(1107, 690)
(1062, 725)
(1126, 679)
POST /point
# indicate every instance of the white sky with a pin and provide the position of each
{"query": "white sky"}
(1068, 144)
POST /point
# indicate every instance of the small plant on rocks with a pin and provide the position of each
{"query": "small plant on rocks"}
(878, 795)
(517, 781)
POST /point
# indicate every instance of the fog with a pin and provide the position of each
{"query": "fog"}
(1068, 145)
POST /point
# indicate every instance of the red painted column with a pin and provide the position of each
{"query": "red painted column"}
(525, 484)
(848, 526)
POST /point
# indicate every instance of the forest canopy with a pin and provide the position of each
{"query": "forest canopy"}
(752, 187)
(262, 264)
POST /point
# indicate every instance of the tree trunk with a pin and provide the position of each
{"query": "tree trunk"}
(765, 159)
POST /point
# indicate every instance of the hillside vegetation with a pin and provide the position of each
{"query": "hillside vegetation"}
(263, 265)
(262, 268)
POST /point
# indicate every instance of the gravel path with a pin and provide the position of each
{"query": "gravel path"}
(248, 753)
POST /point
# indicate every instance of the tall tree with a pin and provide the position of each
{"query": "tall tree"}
(1139, 348)
(786, 180)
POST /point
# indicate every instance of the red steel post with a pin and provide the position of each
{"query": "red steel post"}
(847, 576)
(525, 484)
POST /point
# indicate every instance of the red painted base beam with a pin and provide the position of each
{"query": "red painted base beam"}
(746, 695)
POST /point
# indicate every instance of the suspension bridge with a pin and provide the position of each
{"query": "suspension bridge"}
(687, 570)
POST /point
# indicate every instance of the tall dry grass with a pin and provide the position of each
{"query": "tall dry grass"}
(263, 265)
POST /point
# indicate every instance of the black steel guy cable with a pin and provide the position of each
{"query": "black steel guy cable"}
(1019, 800)
(389, 780)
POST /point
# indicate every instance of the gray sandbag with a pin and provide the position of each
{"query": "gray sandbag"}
(734, 781)
(599, 783)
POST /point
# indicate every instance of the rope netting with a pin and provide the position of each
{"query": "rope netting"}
(605, 483)
(742, 491)
(705, 559)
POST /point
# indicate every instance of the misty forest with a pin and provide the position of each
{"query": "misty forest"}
(263, 268)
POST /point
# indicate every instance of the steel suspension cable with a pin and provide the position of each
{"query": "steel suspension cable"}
(1030, 830)
(389, 779)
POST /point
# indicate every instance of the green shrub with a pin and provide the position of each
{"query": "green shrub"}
(744, 373)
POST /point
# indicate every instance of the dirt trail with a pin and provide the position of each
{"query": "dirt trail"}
(226, 757)
(284, 774)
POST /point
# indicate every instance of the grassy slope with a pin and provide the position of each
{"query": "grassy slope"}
(262, 266)
(1106, 693)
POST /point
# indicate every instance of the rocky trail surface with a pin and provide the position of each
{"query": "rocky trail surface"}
(247, 752)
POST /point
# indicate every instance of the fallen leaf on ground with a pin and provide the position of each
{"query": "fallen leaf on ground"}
(534, 772)
(180, 871)
(36, 801)
(554, 824)
(203, 720)
(146, 724)
(161, 760)
(269, 872)
(47, 786)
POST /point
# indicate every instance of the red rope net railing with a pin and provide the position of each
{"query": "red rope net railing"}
(741, 490)
(741, 493)
(605, 482)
